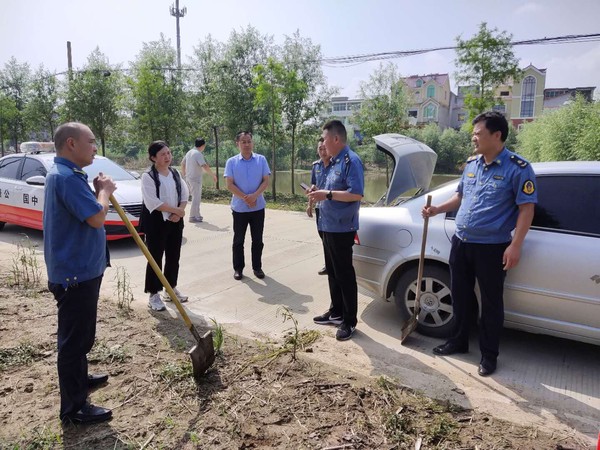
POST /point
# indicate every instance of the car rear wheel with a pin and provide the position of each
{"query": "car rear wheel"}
(436, 317)
(2, 225)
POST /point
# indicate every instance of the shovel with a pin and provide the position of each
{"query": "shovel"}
(202, 354)
(412, 323)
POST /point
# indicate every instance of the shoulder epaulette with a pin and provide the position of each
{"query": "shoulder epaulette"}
(471, 158)
(347, 158)
(519, 162)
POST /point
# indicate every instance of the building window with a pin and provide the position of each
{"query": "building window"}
(339, 107)
(419, 83)
(527, 96)
(504, 93)
(412, 113)
(430, 112)
(499, 108)
(430, 91)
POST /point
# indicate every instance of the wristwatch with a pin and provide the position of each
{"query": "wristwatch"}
(329, 196)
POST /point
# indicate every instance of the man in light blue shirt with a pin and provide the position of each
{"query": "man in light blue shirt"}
(247, 176)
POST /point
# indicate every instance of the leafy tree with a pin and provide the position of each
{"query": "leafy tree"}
(268, 90)
(484, 62)
(42, 108)
(14, 81)
(567, 134)
(8, 112)
(93, 96)
(385, 102)
(384, 106)
(157, 93)
(304, 90)
(244, 50)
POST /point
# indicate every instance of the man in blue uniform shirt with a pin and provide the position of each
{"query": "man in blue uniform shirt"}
(318, 176)
(496, 195)
(75, 255)
(338, 220)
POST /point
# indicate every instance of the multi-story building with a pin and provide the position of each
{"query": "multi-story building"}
(520, 101)
(431, 100)
(555, 98)
(342, 108)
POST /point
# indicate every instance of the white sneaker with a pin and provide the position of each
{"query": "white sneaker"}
(155, 303)
(182, 298)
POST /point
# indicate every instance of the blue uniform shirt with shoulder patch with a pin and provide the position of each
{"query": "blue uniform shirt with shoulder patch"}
(491, 195)
(345, 174)
(73, 250)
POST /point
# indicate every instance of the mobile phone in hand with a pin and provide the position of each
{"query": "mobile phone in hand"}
(304, 186)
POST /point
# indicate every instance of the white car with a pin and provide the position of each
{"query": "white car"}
(555, 289)
(22, 179)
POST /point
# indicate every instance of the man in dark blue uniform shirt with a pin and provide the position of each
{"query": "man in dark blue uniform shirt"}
(338, 220)
(318, 176)
(496, 195)
(75, 255)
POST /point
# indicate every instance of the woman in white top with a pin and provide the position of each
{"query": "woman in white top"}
(165, 197)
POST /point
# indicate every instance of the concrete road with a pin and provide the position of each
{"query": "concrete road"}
(541, 381)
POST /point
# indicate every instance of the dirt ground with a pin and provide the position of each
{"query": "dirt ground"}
(256, 396)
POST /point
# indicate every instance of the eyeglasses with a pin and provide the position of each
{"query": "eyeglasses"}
(243, 133)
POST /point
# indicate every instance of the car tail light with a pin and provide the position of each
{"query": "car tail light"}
(356, 239)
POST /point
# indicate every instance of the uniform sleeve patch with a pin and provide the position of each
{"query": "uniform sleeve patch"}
(528, 187)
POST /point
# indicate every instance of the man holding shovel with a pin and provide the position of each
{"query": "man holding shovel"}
(76, 257)
(496, 195)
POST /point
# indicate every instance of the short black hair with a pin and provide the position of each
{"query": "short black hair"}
(239, 134)
(337, 128)
(199, 142)
(494, 121)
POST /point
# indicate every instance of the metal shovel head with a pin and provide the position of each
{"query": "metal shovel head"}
(202, 355)
(409, 327)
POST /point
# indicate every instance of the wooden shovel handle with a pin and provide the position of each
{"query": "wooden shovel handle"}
(154, 266)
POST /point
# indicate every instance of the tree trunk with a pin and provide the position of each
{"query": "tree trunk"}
(293, 158)
(274, 168)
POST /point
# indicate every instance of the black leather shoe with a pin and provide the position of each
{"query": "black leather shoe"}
(89, 414)
(486, 367)
(323, 271)
(450, 348)
(238, 275)
(96, 380)
(259, 273)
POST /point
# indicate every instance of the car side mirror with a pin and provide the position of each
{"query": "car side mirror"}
(36, 180)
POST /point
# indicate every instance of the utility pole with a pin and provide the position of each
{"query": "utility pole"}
(177, 13)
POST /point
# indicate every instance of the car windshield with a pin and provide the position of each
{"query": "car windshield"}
(107, 167)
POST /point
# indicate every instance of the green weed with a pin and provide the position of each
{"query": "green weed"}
(123, 290)
(25, 270)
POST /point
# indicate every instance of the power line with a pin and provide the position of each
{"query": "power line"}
(354, 60)
(359, 59)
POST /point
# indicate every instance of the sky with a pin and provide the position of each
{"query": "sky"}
(36, 31)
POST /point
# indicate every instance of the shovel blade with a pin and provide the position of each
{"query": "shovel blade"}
(409, 327)
(202, 355)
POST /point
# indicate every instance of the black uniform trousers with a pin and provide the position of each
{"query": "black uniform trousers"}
(483, 262)
(241, 220)
(77, 311)
(163, 238)
(341, 276)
